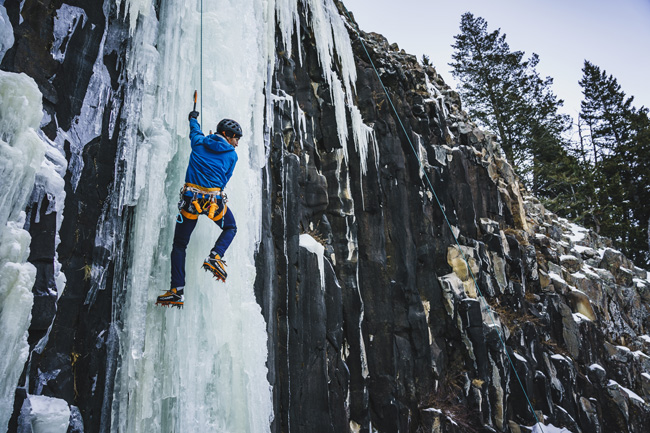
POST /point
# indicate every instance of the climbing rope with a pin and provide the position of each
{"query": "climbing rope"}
(201, 62)
(478, 290)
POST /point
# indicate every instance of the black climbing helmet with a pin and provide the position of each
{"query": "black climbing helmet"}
(229, 128)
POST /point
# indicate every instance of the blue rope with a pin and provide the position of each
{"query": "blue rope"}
(447, 220)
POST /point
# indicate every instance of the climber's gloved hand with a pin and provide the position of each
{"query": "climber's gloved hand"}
(193, 115)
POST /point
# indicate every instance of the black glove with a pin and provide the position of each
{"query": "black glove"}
(193, 115)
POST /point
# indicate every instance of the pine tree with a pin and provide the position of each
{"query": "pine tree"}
(605, 109)
(504, 93)
(619, 135)
(489, 74)
(635, 179)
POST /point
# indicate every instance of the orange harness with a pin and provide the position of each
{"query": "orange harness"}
(204, 199)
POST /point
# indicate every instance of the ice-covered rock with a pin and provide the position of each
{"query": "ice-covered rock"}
(6, 32)
(21, 155)
(45, 415)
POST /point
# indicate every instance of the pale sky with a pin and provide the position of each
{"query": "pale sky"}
(613, 35)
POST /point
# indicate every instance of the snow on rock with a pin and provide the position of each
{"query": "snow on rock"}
(578, 233)
(631, 394)
(21, 155)
(579, 317)
(312, 245)
(519, 357)
(549, 428)
(597, 367)
(48, 415)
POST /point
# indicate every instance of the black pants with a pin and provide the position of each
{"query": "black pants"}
(185, 224)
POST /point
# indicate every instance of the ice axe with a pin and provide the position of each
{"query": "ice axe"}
(194, 114)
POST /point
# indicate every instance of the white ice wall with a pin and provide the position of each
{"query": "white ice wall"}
(21, 155)
(202, 368)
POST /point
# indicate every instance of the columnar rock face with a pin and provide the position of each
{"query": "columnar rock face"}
(527, 312)
(408, 284)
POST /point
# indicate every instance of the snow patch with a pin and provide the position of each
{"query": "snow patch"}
(312, 245)
(556, 277)
(590, 273)
(549, 428)
(631, 394)
(519, 357)
(579, 317)
(597, 367)
(581, 248)
(578, 233)
(559, 357)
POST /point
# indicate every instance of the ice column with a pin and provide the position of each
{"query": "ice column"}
(202, 368)
(21, 155)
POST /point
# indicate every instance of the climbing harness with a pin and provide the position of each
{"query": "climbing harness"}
(426, 176)
(201, 201)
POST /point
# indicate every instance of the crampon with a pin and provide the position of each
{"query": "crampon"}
(171, 298)
(216, 267)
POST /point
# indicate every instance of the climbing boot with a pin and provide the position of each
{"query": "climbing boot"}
(171, 298)
(216, 266)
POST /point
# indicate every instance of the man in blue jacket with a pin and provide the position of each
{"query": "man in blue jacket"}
(212, 162)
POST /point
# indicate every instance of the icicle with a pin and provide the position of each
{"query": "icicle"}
(289, 20)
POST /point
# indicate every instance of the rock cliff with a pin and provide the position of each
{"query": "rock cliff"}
(408, 283)
(399, 339)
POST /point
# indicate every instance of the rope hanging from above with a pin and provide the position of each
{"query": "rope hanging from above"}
(426, 176)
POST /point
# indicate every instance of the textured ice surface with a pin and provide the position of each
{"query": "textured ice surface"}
(87, 125)
(202, 368)
(21, 155)
(6, 32)
(66, 20)
(48, 415)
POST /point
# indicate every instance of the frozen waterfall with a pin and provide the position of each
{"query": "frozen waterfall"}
(202, 368)
(21, 155)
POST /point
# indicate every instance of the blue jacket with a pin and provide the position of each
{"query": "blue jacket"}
(212, 160)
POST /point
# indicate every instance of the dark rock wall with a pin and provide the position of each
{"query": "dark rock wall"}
(405, 343)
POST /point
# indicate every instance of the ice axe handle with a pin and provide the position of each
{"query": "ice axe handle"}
(194, 101)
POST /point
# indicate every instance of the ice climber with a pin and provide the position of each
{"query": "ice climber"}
(212, 162)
